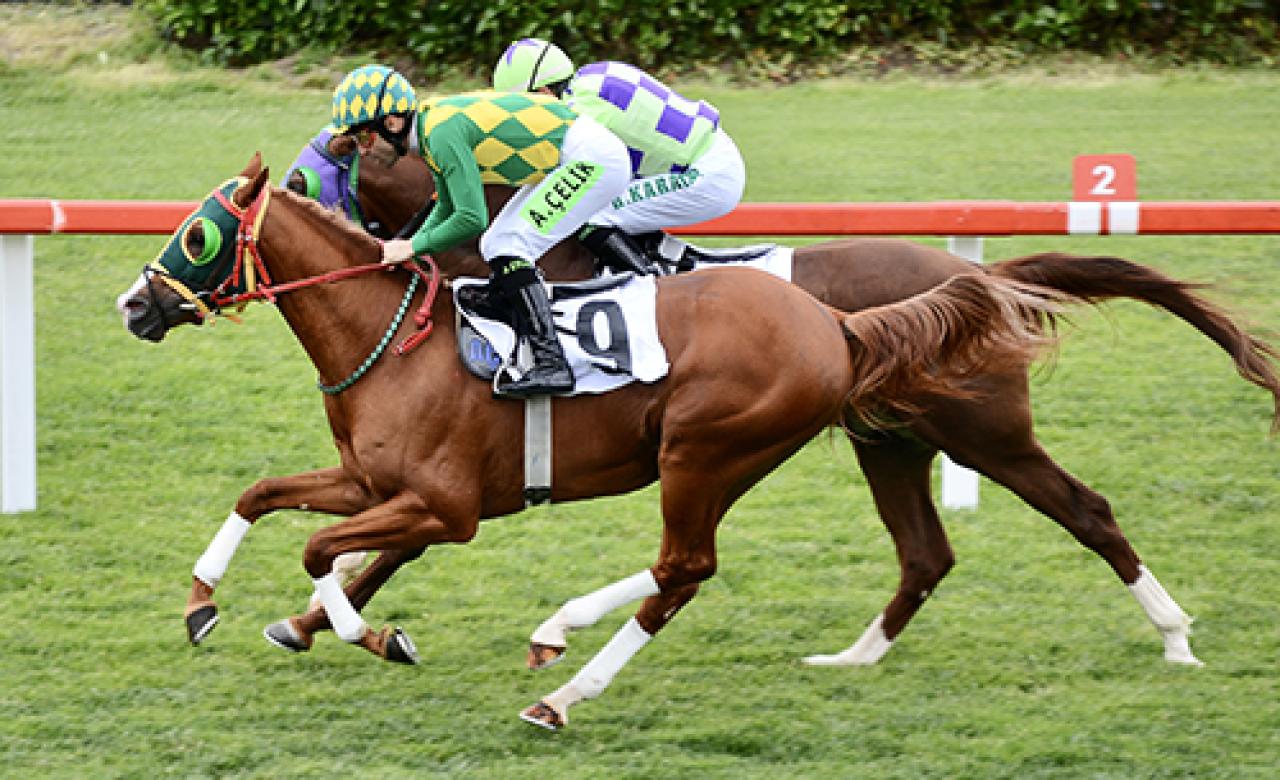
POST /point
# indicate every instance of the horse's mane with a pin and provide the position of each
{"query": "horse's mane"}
(367, 248)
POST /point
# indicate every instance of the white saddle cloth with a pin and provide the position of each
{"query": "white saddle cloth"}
(607, 327)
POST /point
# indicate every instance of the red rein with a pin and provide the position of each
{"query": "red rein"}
(247, 245)
(421, 318)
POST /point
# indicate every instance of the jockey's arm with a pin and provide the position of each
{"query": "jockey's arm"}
(461, 213)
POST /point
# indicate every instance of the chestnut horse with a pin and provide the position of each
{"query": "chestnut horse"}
(756, 368)
(990, 430)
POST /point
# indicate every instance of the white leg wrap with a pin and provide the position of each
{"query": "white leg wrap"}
(1165, 614)
(213, 563)
(346, 567)
(586, 610)
(591, 681)
(869, 648)
(346, 622)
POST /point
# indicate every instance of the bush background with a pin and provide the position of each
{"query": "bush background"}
(785, 36)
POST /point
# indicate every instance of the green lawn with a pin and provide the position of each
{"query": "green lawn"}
(1031, 661)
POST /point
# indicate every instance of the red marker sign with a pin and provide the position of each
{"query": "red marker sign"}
(1101, 177)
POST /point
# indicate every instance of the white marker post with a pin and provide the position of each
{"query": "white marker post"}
(959, 484)
(17, 375)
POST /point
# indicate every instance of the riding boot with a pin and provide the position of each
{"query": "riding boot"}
(525, 293)
(667, 252)
(616, 249)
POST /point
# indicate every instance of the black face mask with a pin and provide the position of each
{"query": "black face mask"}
(399, 141)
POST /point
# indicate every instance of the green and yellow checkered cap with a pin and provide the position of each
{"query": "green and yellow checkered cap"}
(370, 92)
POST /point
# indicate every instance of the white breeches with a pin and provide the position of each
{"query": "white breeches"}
(594, 169)
(710, 188)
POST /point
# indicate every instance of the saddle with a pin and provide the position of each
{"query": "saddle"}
(607, 326)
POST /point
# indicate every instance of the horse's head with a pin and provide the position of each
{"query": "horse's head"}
(204, 261)
(326, 170)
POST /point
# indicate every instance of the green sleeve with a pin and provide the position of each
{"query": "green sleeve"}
(461, 207)
(438, 212)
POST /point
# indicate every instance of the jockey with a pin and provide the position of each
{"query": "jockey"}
(685, 167)
(567, 167)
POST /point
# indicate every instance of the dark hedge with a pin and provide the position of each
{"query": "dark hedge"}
(438, 36)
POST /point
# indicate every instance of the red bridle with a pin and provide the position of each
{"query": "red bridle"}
(245, 274)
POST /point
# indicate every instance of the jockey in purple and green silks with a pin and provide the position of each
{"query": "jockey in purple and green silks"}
(567, 168)
(686, 169)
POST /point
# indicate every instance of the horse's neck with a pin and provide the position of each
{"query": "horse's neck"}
(337, 323)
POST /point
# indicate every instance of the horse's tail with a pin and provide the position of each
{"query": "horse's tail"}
(1097, 279)
(930, 343)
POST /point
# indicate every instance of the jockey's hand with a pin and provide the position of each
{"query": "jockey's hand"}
(397, 251)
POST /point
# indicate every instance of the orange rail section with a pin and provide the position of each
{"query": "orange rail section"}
(936, 218)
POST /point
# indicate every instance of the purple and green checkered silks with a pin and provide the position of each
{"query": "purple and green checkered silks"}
(663, 131)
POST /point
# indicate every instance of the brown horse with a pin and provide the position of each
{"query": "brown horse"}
(990, 430)
(756, 368)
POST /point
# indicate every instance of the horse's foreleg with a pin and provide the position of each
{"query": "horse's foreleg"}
(897, 471)
(402, 524)
(326, 490)
(297, 633)
(547, 644)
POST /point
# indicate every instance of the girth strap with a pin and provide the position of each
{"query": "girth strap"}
(537, 450)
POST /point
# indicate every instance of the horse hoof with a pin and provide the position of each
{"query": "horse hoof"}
(282, 634)
(200, 622)
(544, 716)
(400, 648)
(541, 656)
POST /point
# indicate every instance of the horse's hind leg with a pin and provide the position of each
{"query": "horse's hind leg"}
(693, 501)
(548, 643)
(897, 471)
(999, 443)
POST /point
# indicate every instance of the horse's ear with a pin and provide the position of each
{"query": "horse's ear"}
(250, 190)
(255, 165)
(342, 145)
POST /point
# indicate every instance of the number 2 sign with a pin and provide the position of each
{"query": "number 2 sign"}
(1104, 177)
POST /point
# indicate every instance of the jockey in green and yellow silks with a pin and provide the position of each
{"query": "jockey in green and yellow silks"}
(567, 168)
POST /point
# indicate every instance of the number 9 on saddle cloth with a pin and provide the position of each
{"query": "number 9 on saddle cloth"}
(607, 328)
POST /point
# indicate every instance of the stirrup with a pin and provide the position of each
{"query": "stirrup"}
(536, 381)
(618, 251)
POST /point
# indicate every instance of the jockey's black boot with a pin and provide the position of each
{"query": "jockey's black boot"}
(670, 255)
(616, 249)
(523, 290)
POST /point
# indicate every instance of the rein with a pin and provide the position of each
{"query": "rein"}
(245, 275)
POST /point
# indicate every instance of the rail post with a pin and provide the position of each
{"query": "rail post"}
(17, 375)
(959, 484)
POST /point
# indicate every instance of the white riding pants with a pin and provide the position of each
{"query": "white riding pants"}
(594, 170)
(710, 188)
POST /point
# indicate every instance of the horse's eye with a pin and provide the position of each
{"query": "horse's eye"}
(202, 241)
(194, 240)
(297, 183)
